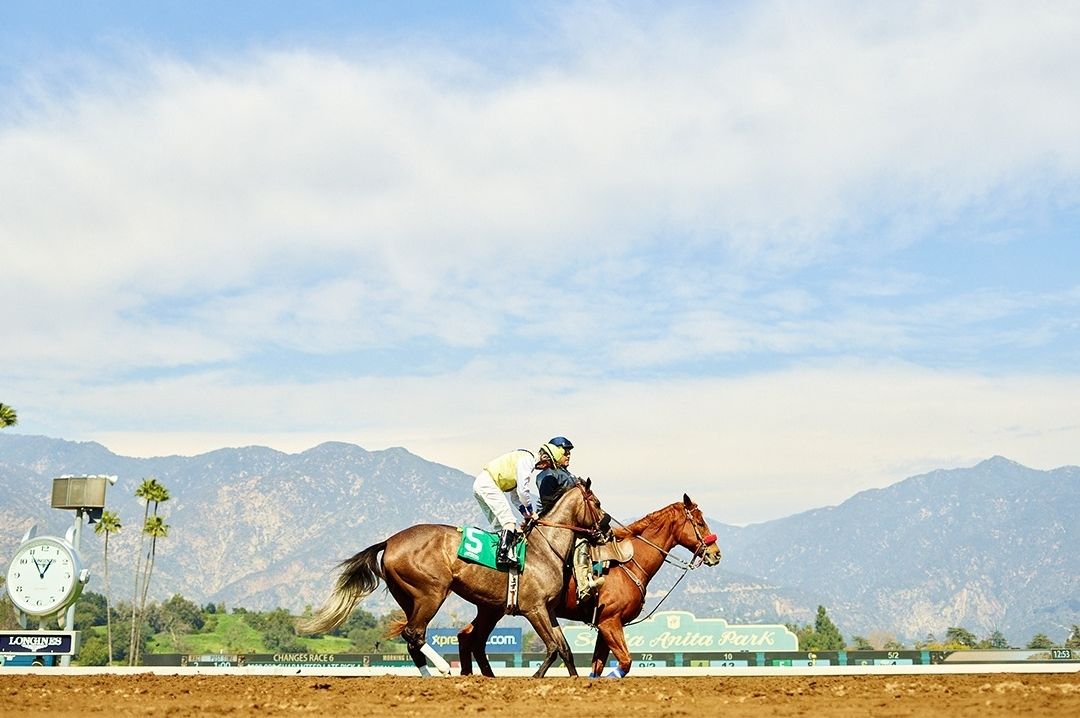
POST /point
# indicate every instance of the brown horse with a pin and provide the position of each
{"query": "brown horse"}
(420, 567)
(622, 595)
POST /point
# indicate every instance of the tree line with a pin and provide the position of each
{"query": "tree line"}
(179, 625)
(823, 635)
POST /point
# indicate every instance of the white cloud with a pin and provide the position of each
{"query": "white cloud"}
(747, 449)
(639, 200)
(775, 137)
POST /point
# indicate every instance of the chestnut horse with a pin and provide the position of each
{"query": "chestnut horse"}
(420, 567)
(622, 595)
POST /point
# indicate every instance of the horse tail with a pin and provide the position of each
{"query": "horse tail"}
(395, 628)
(358, 578)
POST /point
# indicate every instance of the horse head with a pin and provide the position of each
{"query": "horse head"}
(579, 509)
(696, 535)
(596, 519)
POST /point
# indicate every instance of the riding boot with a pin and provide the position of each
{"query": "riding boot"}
(504, 556)
(582, 571)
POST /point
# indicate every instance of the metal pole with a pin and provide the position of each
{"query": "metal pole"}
(69, 621)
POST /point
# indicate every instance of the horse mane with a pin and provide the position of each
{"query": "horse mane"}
(638, 527)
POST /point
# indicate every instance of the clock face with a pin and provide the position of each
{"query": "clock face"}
(43, 576)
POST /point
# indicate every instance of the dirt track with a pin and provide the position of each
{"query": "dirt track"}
(985, 696)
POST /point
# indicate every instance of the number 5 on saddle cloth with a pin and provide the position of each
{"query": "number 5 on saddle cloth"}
(479, 546)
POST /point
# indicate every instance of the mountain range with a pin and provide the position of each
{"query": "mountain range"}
(990, 547)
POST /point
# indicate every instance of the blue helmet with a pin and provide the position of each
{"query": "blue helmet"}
(562, 442)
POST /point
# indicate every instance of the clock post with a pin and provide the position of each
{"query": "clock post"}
(46, 576)
(86, 496)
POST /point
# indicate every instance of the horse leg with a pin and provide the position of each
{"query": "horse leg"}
(550, 632)
(472, 640)
(419, 610)
(615, 638)
(600, 655)
(465, 650)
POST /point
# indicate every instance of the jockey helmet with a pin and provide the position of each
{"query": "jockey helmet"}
(562, 442)
(553, 452)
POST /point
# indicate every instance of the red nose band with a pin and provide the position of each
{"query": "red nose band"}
(709, 540)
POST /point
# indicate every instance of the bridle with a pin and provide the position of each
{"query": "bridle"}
(698, 557)
(704, 541)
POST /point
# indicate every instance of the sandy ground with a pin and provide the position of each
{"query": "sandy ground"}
(985, 696)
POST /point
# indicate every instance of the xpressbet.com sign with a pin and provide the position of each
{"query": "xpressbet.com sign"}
(501, 640)
(683, 632)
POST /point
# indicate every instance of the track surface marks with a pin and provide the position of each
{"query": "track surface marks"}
(985, 696)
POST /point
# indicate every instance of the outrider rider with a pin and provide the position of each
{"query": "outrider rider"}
(551, 484)
(554, 480)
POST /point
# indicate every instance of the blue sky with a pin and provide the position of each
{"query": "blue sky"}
(769, 254)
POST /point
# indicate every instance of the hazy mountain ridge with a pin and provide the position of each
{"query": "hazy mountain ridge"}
(992, 547)
(988, 547)
(249, 526)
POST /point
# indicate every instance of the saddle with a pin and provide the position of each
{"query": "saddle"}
(613, 551)
(480, 547)
(591, 562)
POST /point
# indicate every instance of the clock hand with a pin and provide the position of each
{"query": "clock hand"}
(37, 565)
(47, 564)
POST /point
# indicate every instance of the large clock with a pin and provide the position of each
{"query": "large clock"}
(45, 576)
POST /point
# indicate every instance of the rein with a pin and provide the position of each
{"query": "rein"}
(590, 510)
(570, 527)
(694, 562)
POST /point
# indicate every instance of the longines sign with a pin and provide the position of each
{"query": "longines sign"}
(682, 632)
(53, 643)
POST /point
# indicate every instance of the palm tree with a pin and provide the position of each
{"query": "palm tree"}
(153, 526)
(150, 491)
(156, 494)
(109, 524)
(7, 416)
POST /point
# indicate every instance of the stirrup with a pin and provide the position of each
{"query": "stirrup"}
(505, 563)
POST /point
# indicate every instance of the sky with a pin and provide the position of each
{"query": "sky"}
(769, 254)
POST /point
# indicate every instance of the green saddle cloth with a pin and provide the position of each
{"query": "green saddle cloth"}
(479, 546)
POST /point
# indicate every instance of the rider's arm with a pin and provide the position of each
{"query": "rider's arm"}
(524, 484)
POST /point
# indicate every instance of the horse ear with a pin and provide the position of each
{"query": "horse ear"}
(588, 483)
(686, 501)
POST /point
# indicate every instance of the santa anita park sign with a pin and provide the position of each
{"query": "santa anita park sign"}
(682, 632)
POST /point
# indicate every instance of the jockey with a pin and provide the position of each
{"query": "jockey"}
(510, 472)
